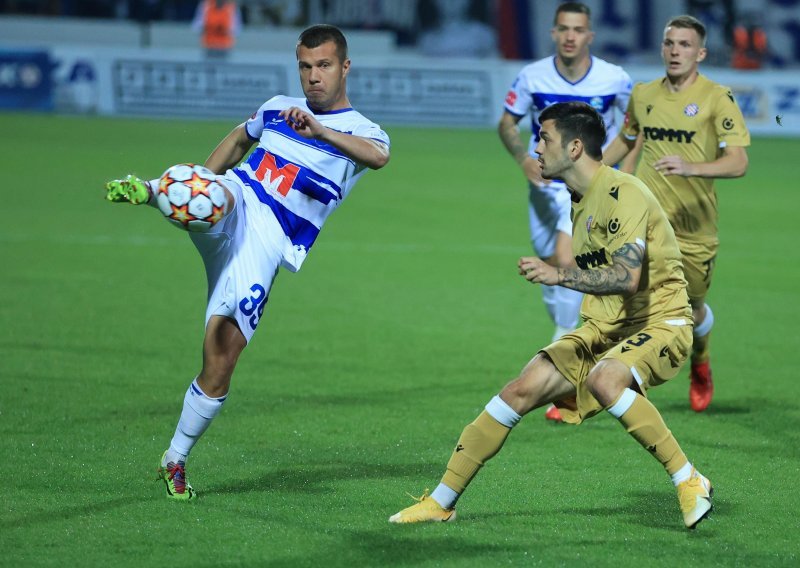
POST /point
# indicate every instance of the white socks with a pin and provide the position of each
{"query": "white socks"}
(624, 402)
(708, 322)
(445, 496)
(682, 474)
(153, 187)
(198, 412)
(502, 412)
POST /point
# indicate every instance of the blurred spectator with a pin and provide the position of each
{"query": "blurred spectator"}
(146, 10)
(274, 12)
(722, 12)
(456, 28)
(38, 7)
(719, 17)
(218, 22)
(749, 43)
(154, 10)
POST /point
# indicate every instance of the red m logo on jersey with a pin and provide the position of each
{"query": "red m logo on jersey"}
(277, 179)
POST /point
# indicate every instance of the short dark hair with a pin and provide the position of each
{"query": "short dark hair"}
(573, 7)
(578, 120)
(689, 22)
(317, 35)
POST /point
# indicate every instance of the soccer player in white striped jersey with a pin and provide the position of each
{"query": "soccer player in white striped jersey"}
(572, 74)
(310, 153)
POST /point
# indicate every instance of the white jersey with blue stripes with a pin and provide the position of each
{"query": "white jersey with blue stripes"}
(301, 180)
(605, 87)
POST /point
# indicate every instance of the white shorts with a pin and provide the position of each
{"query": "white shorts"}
(549, 212)
(242, 255)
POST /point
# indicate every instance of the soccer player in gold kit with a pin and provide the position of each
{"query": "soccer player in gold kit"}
(636, 330)
(693, 132)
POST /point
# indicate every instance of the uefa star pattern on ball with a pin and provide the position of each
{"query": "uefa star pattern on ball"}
(190, 198)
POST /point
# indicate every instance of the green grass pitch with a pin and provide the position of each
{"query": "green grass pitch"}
(407, 317)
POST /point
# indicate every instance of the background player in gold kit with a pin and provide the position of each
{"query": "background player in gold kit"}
(693, 132)
(572, 74)
(636, 328)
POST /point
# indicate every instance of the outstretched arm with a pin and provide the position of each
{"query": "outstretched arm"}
(370, 153)
(621, 277)
(230, 151)
(731, 164)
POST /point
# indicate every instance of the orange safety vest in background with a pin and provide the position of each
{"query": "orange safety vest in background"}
(749, 47)
(218, 25)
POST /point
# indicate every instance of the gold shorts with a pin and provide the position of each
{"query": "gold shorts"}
(654, 354)
(698, 267)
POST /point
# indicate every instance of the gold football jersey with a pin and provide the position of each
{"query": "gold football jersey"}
(615, 210)
(694, 124)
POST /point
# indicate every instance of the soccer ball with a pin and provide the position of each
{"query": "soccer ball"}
(190, 198)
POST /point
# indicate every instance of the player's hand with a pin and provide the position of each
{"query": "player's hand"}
(533, 171)
(303, 123)
(674, 166)
(534, 269)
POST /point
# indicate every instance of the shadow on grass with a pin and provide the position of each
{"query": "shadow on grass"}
(67, 513)
(716, 408)
(653, 509)
(45, 349)
(321, 478)
(405, 545)
(361, 398)
(658, 509)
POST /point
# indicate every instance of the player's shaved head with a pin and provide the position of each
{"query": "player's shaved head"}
(317, 35)
(577, 120)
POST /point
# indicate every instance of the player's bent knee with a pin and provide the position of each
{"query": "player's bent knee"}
(607, 380)
(533, 387)
(220, 359)
(221, 363)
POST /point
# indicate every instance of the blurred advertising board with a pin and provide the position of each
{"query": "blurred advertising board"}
(389, 90)
(26, 80)
(194, 89)
(441, 97)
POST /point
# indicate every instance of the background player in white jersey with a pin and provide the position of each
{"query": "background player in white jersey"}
(572, 74)
(310, 153)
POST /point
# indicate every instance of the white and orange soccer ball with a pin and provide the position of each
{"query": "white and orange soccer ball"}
(190, 198)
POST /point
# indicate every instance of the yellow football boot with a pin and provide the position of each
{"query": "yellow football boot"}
(695, 495)
(424, 510)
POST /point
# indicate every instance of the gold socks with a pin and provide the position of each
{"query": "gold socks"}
(479, 441)
(643, 421)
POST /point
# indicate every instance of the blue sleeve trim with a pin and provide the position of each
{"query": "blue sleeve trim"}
(250, 136)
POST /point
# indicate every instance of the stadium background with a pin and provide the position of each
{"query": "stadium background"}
(405, 320)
